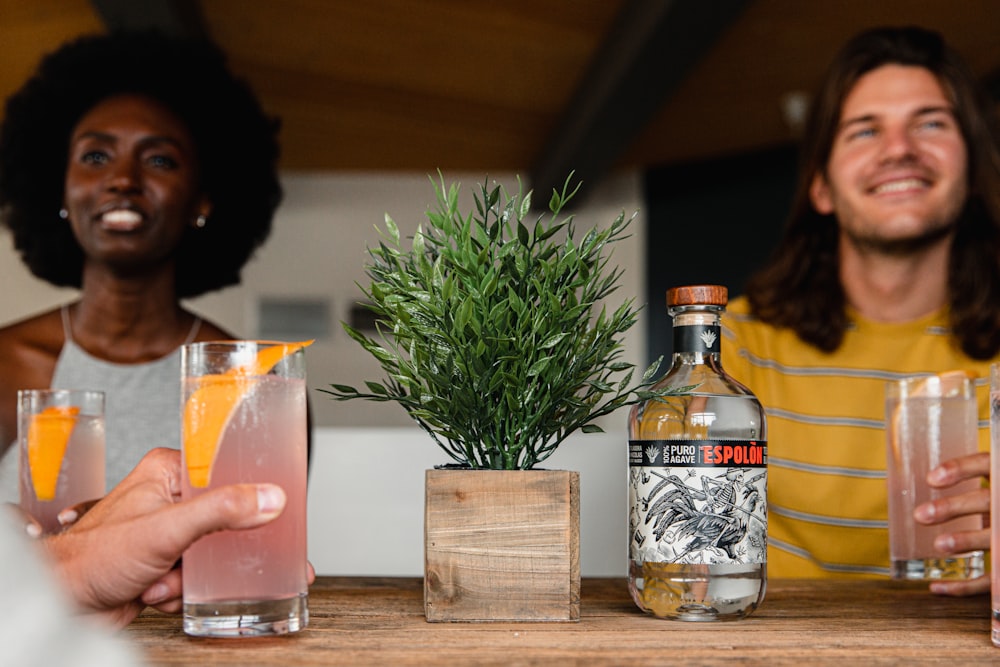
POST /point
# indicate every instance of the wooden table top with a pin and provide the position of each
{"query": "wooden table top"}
(380, 621)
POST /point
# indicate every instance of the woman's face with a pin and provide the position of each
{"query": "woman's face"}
(132, 182)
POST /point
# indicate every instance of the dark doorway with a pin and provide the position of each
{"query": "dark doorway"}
(712, 222)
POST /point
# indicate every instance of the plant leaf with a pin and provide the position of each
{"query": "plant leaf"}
(495, 335)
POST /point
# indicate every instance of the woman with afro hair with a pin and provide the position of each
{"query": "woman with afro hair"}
(136, 168)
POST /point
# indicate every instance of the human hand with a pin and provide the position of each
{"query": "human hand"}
(32, 528)
(72, 514)
(66, 517)
(938, 511)
(120, 555)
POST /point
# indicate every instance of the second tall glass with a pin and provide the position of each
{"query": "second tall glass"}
(929, 420)
(995, 501)
(61, 438)
(244, 421)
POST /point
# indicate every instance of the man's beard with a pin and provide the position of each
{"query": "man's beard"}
(901, 247)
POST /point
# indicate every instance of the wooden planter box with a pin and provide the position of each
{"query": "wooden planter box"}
(502, 545)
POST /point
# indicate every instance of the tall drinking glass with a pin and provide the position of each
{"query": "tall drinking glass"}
(929, 419)
(995, 500)
(244, 421)
(60, 434)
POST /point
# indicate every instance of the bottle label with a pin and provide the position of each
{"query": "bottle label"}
(698, 501)
(703, 338)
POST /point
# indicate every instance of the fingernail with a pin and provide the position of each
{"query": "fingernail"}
(270, 499)
(924, 513)
(67, 516)
(937, 476)
(34, 530)
(156, 594)
(944, 543)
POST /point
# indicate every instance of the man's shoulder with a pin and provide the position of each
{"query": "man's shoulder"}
(739, 306)
(744, 330)
(739, 315)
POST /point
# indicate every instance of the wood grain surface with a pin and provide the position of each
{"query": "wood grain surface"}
(380, 621)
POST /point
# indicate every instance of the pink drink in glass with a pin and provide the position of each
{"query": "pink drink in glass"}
(254, 582)
(995, 501)
(81, 475)
(929, 420)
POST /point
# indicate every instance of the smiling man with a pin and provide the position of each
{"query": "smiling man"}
(889, 266)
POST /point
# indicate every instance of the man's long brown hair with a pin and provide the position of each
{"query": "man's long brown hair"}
(800, 287)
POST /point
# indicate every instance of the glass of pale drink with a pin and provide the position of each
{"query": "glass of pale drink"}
(244, 421)
(995, 501)
(60, 434)
(929, 420)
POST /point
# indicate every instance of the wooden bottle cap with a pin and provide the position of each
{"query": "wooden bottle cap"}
(689, 295)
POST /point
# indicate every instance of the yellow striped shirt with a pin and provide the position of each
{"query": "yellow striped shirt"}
(827, 507)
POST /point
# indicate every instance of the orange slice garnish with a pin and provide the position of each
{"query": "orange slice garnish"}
(210, 407)
(48, 435)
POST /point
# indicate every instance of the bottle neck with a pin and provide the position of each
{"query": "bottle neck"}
(697, 333)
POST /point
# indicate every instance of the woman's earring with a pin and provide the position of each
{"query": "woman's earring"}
(200, 221)
(64, 214)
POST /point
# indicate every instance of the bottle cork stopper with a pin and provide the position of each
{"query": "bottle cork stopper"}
(712, 295)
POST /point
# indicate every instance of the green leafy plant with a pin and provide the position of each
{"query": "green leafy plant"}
(488, 331)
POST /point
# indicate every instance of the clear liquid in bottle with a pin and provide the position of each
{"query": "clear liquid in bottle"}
(698, 480)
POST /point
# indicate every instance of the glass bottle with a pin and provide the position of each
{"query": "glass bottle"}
(698, 479)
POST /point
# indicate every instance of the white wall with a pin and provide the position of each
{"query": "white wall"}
(366, 484)
(366, 499)
(317, 250)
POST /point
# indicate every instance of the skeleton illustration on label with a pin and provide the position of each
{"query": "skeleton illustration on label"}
(698, 502)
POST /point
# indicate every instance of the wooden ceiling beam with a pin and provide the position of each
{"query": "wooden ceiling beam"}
(175, 17)
(649, 50)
